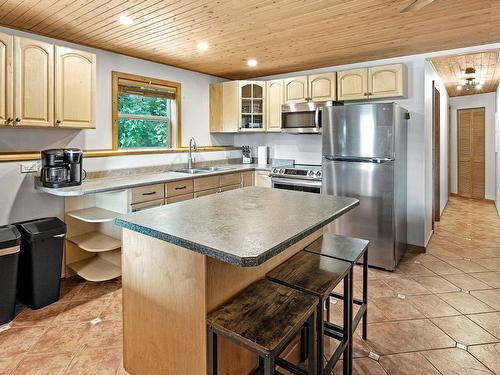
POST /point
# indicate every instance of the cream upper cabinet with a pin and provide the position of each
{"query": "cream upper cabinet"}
(224, 107)
(387, 81)
(252, 95)
(296, 89)
(75, 82)
(352, 84)
(6, 79)
(322, 87)
(34, 83)
(275, 99)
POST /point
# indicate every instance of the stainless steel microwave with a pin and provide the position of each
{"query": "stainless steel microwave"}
(300, 118)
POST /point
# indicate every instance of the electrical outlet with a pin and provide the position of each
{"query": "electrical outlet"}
(30, 167)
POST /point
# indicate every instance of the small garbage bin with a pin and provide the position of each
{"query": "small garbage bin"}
(9, 254)
(40, 260)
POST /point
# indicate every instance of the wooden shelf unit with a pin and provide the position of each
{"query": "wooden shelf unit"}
(99, 268)
(96, 242)
(94, 215)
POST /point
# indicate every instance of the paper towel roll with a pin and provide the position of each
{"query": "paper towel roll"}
(262, 154)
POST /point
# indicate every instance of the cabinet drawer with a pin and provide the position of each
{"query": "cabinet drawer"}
(230, 187)
(145, 205)
(230, 179)
(147, 193)
(176, 188)
(205, 183)
(205, 192)
(179, 198)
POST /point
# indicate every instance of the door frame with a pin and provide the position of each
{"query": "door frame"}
(436, 154)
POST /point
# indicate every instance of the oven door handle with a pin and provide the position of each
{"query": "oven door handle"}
(295, 182)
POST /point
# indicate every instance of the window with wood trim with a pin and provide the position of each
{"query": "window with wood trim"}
(146, 112)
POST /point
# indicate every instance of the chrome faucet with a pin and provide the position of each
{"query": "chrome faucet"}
(192, 147)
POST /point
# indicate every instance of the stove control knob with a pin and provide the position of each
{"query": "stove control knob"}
(310, 173)
(318, 173)
(275, 170)
(282, 170)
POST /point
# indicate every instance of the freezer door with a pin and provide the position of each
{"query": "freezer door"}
(360, 130)
(372, 184)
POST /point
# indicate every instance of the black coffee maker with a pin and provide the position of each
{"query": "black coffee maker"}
(62, 167)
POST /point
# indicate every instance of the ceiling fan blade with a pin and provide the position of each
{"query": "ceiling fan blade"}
(416, 5)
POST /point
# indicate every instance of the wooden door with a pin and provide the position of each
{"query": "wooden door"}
(296, 89)
(322, 87)
(34, 83)
(275, 99)
(6, 78)
(386, 81)
(471, 159)
(352, 84)
(75, 88)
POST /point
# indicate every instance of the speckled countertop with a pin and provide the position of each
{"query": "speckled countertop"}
(244, 227)
(104, 184)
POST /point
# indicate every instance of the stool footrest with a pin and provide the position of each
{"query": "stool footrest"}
(290, 367)
(341, 297)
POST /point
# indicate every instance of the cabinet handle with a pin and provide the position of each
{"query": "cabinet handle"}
(58, 122)
(17, 120)
(151, 193)
(180, 187)
(8, 121)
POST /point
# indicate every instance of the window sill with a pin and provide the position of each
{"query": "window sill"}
(35, 155)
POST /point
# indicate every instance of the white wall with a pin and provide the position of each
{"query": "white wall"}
(497, 150)
(474, 101)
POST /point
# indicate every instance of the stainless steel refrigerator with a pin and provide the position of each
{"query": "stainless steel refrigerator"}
(364, 156)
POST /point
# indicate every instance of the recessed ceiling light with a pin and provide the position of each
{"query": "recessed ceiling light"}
(479, 87)
(202, 46)
(459, 88)
(125, 20)
(482, 82)
(252, 62)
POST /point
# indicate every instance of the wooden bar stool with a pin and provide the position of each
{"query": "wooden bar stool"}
(264, 318)
(348, 249)
(318, 276)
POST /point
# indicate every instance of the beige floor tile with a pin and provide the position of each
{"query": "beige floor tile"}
(492, 264)
(466, 282)
(98, 290)
(406, 336)
(442, 268)
(464, 330)
(432, 306)
(490, 278)
(361, 366)
(9, 364)
(380, 288)
(16, 341)
(407, 287)
(82, 310)
(413, 269)
(489, 321)
(488, 354)
(62, 338)
(106, 334)
(395, 308)
(42, 317)
(89, 359)
(44, 364)
(490, 297)
(455, 362)
(465, 303)
(407, 364)
(466, 265)
(436, 284)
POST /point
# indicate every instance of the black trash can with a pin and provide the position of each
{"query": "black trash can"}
(10, 238)
(40, 260)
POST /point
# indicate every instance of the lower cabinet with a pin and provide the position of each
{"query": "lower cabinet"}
(247, 178)
(230, 187)
(142, 206)
(179, 198)
(262, 179)
(206, 192)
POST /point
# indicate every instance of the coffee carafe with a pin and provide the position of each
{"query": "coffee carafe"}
(61, 167)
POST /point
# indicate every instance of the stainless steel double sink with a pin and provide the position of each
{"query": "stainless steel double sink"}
(203, 170)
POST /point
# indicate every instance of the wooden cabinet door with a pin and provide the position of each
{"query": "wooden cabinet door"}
(262, 179)
(296, 89)
(322, 87)
(34, 83)
(352, 84)
(275, 99)
(386, 81)
(247, 178)
(75, 81)
(6, 78)
(230, 107)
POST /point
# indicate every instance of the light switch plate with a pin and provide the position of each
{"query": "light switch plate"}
(30, 167)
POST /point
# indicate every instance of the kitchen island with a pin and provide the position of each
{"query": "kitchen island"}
(181, 261)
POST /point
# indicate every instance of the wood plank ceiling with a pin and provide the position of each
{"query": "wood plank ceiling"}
(451, 70)
(283, 35)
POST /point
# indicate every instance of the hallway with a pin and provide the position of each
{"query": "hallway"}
(435, 300)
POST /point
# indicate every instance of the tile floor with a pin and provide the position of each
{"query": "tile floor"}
(417, 314)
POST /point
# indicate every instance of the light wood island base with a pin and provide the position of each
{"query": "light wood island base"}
(167, 292)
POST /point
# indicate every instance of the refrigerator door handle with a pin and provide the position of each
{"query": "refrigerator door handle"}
(358, 159)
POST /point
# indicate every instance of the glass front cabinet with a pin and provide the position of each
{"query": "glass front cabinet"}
(251, 94)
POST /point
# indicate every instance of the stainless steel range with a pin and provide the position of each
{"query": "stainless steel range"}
(300, 177)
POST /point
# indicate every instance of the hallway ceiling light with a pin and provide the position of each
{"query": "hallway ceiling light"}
(252, 62)
(202, 46)
(125, 20)
(470, 81)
